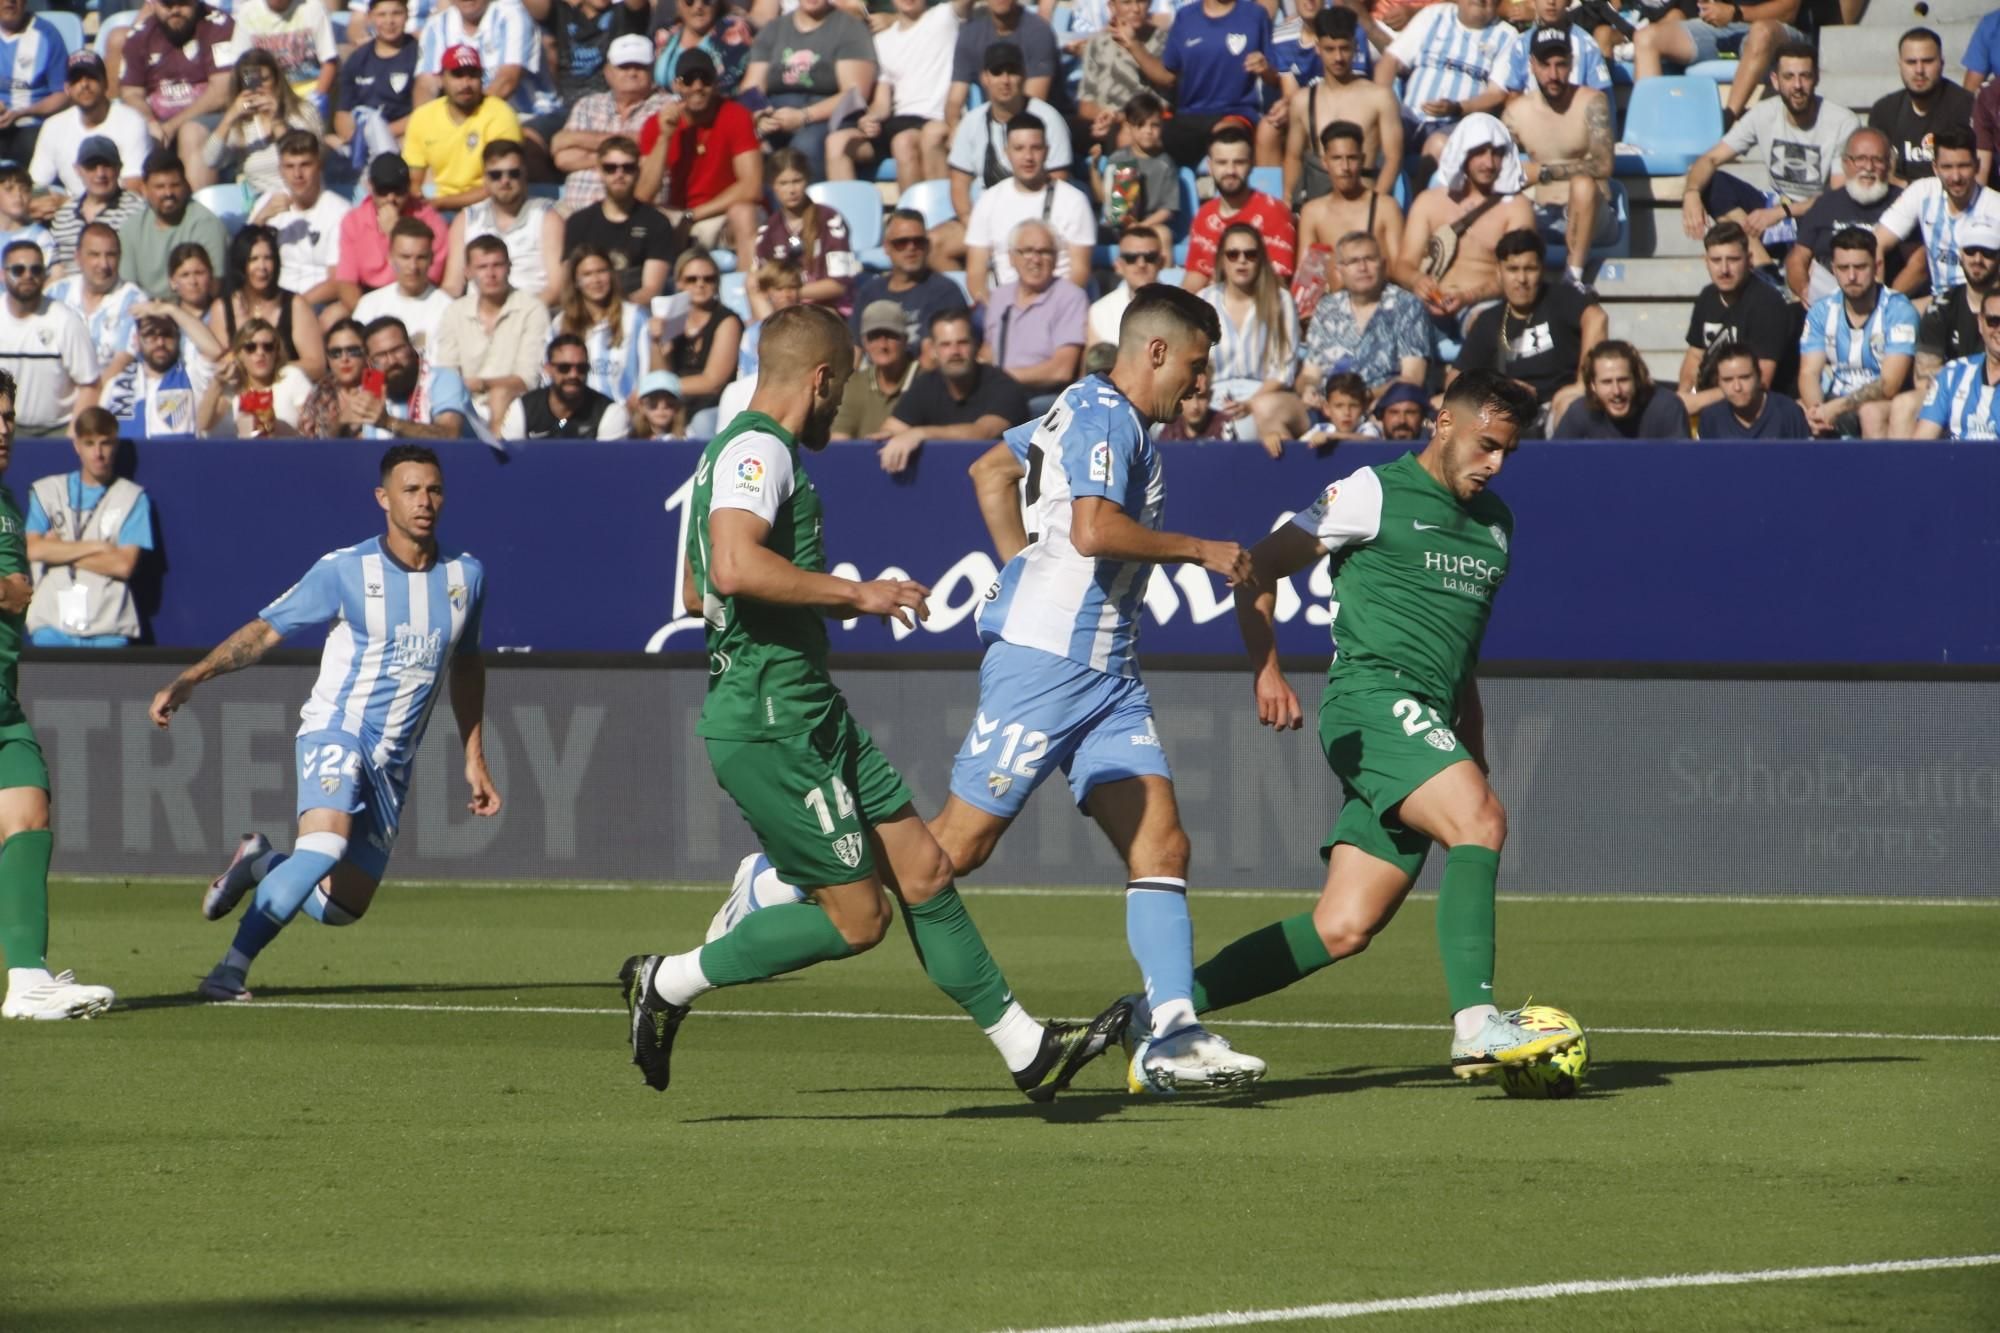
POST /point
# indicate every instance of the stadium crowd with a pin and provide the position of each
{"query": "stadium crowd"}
(526, 219)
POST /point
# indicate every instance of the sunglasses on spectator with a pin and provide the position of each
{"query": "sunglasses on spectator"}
(1241, 254)
(1990, 321)
(908, 242)
(346, 353)
(699, 277)
(261, 345)
(1140, 256)
(27, 270)
(504, 174)
(618, 168)
(569, 367)
(699, 77)
(1979, 250)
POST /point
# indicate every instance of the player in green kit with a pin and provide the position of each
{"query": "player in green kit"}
(833, 817)
(32, 991)
(1420, 548)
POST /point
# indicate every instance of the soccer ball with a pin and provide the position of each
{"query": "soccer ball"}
(1554, 1076)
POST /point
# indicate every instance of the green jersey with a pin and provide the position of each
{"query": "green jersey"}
(767, 675)
(13, 560)
(1415, 571)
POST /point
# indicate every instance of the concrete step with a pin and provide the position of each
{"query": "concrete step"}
(1657, 234)
(1665, 191)
(1858, 92)
(1901, 14)
(1664, 365)
(1651, 324)
(1846, 50)
(1622, 280)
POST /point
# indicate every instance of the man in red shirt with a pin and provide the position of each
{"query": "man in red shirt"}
(700, 159)
(365, 230)
(1230, 153)
(177, 75)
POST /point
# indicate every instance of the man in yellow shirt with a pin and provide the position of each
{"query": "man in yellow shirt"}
(447, 135)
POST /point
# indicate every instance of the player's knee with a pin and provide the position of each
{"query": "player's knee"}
(1166, 854)
(1486, 826)
(328, 911)
(1341, 933)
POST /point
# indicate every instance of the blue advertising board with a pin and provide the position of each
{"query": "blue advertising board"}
(1667, 552)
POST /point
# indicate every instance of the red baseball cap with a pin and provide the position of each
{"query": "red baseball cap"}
(461, 57)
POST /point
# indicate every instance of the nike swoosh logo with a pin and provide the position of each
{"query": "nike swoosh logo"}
(1425, 527)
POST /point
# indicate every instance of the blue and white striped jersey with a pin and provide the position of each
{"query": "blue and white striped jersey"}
(1962, 401)
(1924, 205)
(111, 325)
(33, 63)
(1586, 63)
(1854, 356)
(614, 371)
(35, 232)
(394, 631)
(1092, 443)
(1443, 60)
(508, 35)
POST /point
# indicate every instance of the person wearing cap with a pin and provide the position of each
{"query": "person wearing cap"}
(379, 76)
(367, 230)
(448, 135)
(175, 71)
(700, 160)
(104, 198)
(659, 414)
(979, 143)
(886, 370)
(1010, 23)
(1217, 64)
(1950, 329)
(1565, 131)
(624, 109)
(35, 58)
(637, 236)
(565, 407)
(507, 44)
(57, 166)
(804, 63)
(1587, 66)
(299, 36)
(1401, 412)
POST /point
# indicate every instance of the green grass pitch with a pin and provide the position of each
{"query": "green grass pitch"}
(467, 1146)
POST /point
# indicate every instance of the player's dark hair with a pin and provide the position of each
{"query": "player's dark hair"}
(1855, 238)
(399, 454)
(1179, 307)
(1479, 391)
(1920, 35)
(1341, 129)
(300, 143)
(1726, 233)
(1520, 241)
(1025, 122)
(953, 314)
(382, 324)
(413, 228)
(481, 245)
(498, 149)
(1143, 107)
(1795, 50)
(1954, 136)
(1333, 23)
(1349, 383)
(563, 340)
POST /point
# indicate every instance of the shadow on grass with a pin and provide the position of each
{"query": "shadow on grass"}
(380, 1310)
(182, 999)
(1619, 1076)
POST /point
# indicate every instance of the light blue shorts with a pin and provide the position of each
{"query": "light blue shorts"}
(1038, 711)
(335, 774)
(1710, 42)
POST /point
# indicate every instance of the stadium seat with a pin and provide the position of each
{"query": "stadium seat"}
(68, 24)
(932, 199)
(735, 293)
(860, 203)
(123, 19)
(230, 202)
(1062, 22)
(1669, 123)
(1184, 218)
(725, 260)
(958, 280)
(1172, 276)
(1268, 180)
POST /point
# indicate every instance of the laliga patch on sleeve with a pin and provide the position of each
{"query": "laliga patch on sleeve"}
(750, 475)
(1901, 331)
(1100, 461)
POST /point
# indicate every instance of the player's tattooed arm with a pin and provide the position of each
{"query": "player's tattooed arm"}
(241, 649)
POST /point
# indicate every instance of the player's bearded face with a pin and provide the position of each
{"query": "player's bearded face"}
(1476, 447)
(825, 407)
(413, 497)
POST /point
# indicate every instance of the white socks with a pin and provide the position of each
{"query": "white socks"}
(1017, 1037)
(1467, 1022)
(679, 978)
(19, 979)
(1173, 1016)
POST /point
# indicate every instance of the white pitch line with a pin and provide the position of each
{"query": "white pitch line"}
(1543, 1291)
(1295, 1025)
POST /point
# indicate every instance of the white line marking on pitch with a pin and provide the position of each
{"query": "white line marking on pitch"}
(1543, 1291)
(1296, 1025)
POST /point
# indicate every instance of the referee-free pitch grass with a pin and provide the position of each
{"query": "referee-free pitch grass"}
(429, 1120)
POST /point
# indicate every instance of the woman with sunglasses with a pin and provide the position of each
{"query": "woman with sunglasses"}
(347, 368)
(255, 394)
(703, 354)
(594, 308)
(251, 291)
(813, 237)
(1259, 351)
(262, 110)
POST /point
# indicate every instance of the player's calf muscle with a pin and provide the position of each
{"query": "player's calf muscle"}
(859, 911)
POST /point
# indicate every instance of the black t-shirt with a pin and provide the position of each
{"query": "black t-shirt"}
(927, 402)
(1541, 350)
(1781, 419)
(581, 45)
(645, 235)
(1832, 211)
(383, 82)
(936, 292)
(1910, 134)
(1759, 318)
(1662, 417)
(1949, 329)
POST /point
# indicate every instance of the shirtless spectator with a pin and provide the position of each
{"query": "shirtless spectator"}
(1565, 130)
(1340, 96)
(1447, 254)
(1448, 58)
(1350, 206)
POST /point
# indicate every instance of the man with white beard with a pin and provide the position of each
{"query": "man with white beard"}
(1859, 203)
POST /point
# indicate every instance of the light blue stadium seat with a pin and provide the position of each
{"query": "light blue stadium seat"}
(725, 260)
(885, 171)
(859, 203)
(735, 293)
(1716, 71)
(105, 27)
(958, 280)
(1671, 121)
(230, 202)
(69, 25)
(1184, 219)
(1268, 180)
(932, 199)
(1062, 21)
(1172, 276)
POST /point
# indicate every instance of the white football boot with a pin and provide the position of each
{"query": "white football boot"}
(228, 888)
(1190, 1059)
(755, 886)
(61, 996)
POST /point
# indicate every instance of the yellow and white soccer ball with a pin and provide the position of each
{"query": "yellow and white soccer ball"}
(1553, 1076)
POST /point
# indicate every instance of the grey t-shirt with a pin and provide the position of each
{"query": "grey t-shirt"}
(803, 62)
(1801, 160)
(1034, 36)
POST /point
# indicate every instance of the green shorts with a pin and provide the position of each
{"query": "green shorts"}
(1383, 745)
(811, 799)
(21, 762)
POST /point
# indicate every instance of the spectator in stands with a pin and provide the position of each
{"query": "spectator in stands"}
(103, 198)
(58, 165)
(1539, 332)
(1295, 50)
(659, 416)
(1258, 355)
(776, 285)
(418, 400)
(46, 346)
(1140, 258)
(878, 383)
(530, 228)
(192, 290)
(1030, 192)
(1856, 353)
(566, 407)
(507, 44)
(1449, 257)
(347, 368)
(298, 35)
(262, 110)
(94, 291)
(803, 62)
(699, 157)
(1346, 413)
(308, 219)
(1112, 76)
(1982, 54)
(253, 288)
(448, 135)
(493, 335)
(1035, 324)
(905, 121)
(1565, 132)
(1341, 96)
(1620, 400)
(612, 329)
(367, 231)
(1940, 205)
(1401, 411)
(414, 300)
(174, 74)
(1926, 103)
(1964, 401)
(578, 36)
(16, 215)
(726, 40)
(86, 532)
(1011, 24)
(1860, 201)
(1142, 186)
(963, 399)
(1217, 61)
(256, 393)
(1349, 205)
(637, 236)
(1800, 133)
(377, 80)
(1364, 325)
(1229, 159)
(34, 89)
(1950, 329)
(620, 112)
(157, 396)
(704, 352)
(1198, 420)
(1745, 406)
(1587, 66)
(1448, 59)
(1986, 129)
(1756, 33)
(910, 282)
(1735, 308)
(979, 143)
(810, 235)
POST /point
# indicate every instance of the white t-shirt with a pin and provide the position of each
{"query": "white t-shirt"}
(976, 133)
(300, 39)
(916, 62)
(308, 242)
(1007, 205)
(62, 138)
(735, 397)
(49, 355)
(1106, 311)
(420, 314)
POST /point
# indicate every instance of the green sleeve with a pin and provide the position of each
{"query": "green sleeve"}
(13, 537)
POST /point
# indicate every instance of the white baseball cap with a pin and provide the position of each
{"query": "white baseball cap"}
(1982, 233)
(630, 49)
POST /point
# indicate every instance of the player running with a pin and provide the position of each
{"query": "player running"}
(1059, 686)
(405, 618)
(829, 811)
(1421, 547)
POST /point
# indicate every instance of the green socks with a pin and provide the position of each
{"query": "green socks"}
(1465, 925)
(772, 942)
(1265, 960)
(955, 957)
(24, 898)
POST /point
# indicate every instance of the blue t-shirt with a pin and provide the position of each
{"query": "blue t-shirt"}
(32, 64)
(383, 82)
(136, 530)
(1207, 56)
(1781, 419)
(1982, 53)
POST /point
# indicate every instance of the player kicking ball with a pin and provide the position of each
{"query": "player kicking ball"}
(1421, 548)
(405, 619)
(829, 811)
